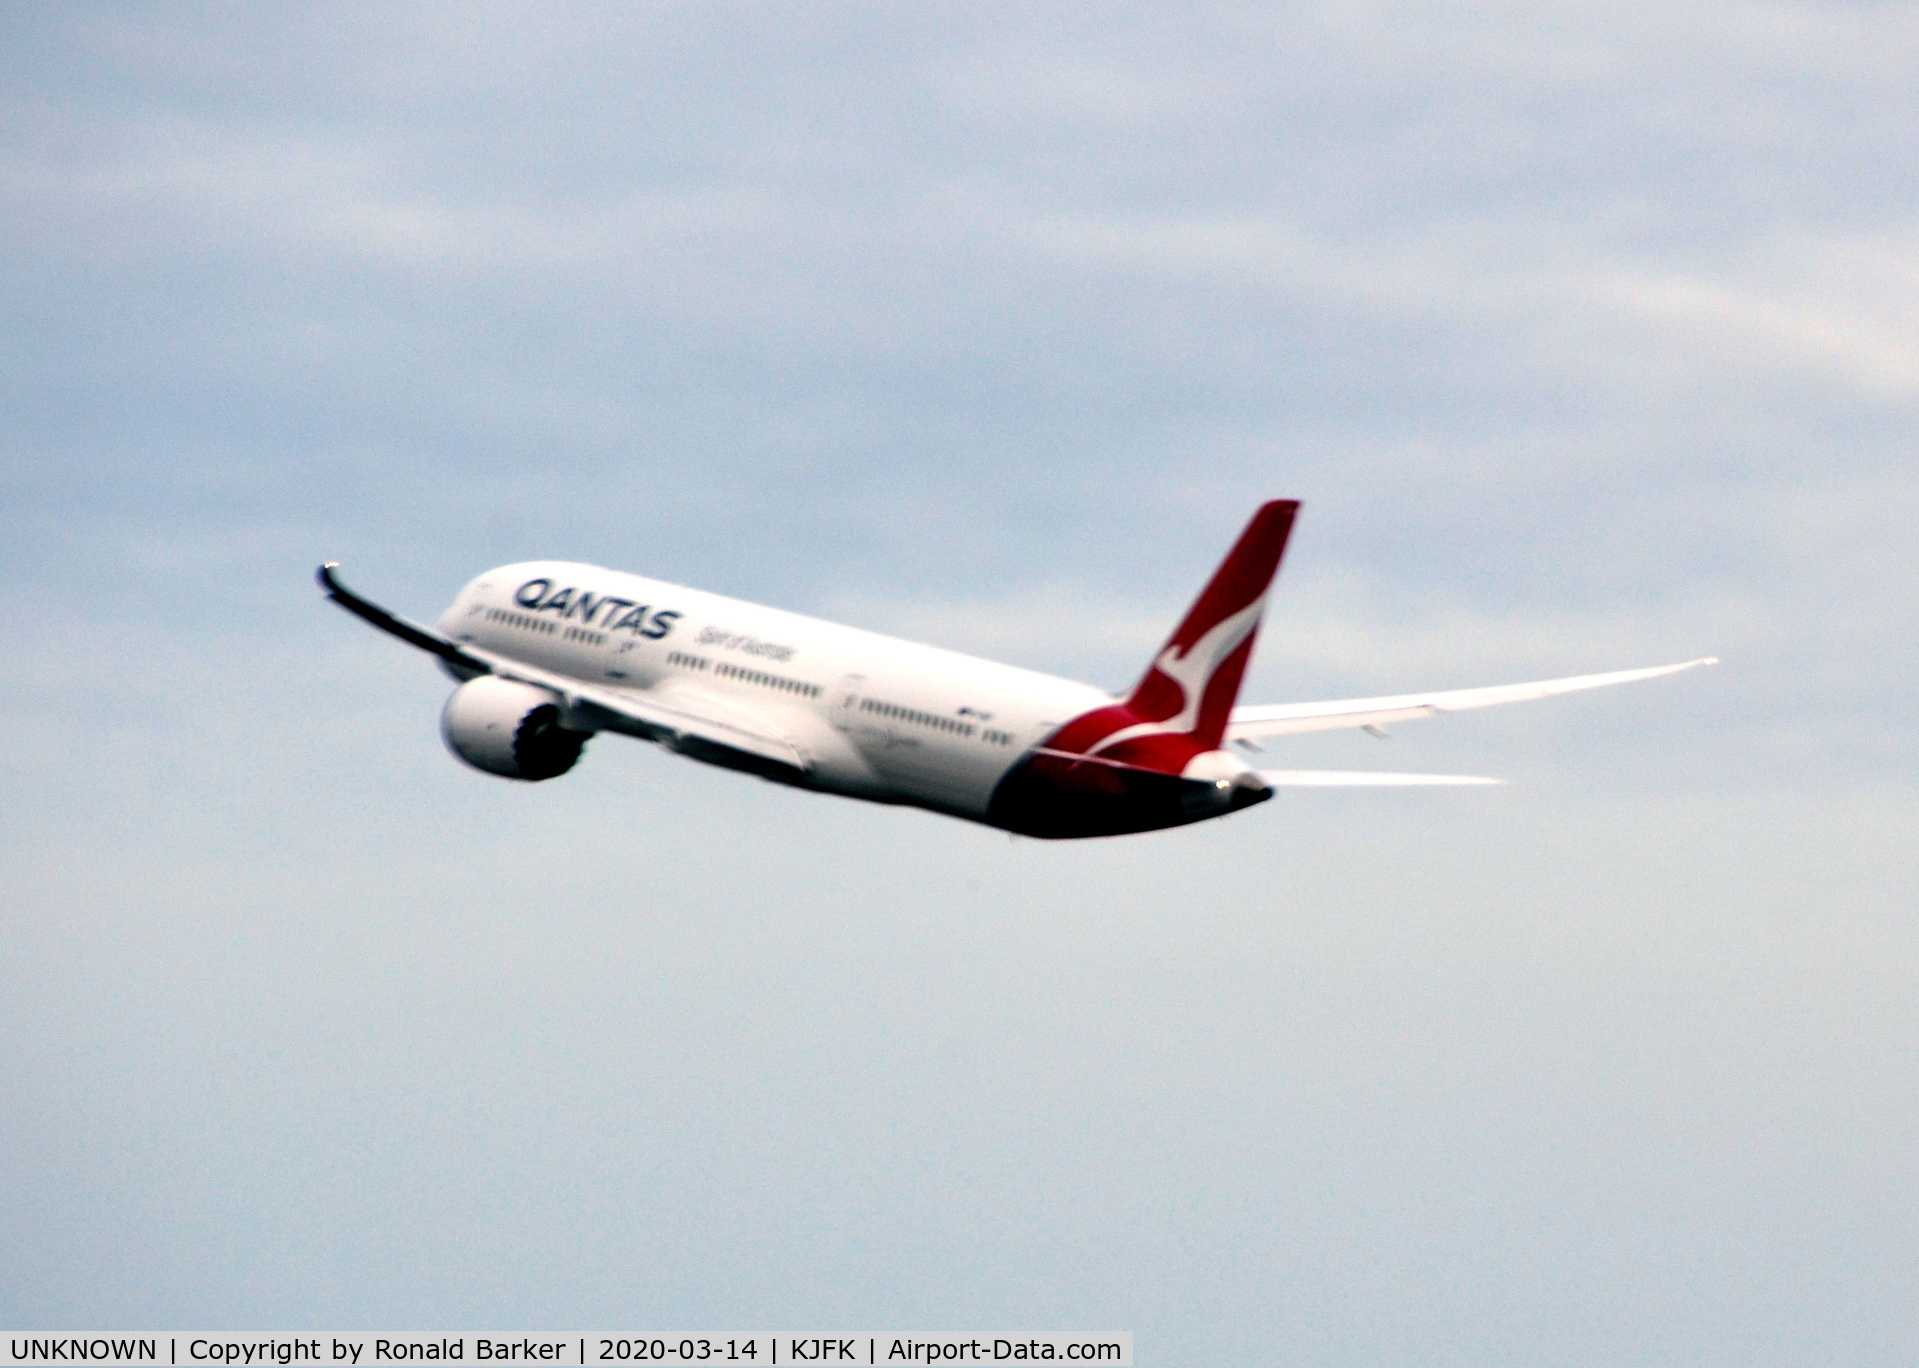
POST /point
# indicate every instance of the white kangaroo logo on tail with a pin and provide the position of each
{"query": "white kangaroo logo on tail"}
(1192, 671)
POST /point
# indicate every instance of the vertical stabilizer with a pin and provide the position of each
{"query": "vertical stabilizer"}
(1180, 706)
(1192, 682)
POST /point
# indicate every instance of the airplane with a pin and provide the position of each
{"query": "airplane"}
(550, 653)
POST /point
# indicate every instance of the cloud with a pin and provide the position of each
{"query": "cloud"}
(1829, 308)
(1587, 334)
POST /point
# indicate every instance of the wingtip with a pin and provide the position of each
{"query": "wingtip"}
(324, 575)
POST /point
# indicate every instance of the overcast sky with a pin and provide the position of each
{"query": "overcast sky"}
(1588, 334)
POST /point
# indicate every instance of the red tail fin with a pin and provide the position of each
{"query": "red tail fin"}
(1199, 669)
(1180, 707)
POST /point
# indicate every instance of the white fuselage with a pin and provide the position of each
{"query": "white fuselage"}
(878, 717)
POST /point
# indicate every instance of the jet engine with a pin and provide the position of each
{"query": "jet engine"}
(509, 729)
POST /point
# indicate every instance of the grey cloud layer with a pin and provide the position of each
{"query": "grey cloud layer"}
(1590, 336)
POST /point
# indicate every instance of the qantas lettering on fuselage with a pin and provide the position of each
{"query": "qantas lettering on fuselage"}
(614, 614)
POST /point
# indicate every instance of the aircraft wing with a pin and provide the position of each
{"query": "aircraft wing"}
(677, 721)
(1253, 724)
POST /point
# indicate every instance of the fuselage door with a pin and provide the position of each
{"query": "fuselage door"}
(846, 702)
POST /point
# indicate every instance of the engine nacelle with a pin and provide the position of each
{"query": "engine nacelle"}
(509, 729)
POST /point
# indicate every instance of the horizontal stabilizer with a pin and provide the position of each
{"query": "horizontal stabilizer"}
(1364, 779)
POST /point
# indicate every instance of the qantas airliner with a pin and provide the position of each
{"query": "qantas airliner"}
(548, 653)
